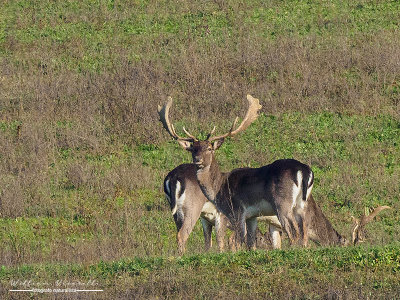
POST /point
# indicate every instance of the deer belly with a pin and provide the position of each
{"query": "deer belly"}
(262, 208)
(209, 212)
(272, 220)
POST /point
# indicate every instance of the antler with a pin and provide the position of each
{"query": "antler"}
(163, 112)
(189, 135)
(211, 133)
(366, 219)
(359, 224)
(251, 116)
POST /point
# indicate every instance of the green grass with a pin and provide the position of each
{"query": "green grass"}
(101, 25)
(355, 160)
(320, 260)
(314, 271)
(83, 156)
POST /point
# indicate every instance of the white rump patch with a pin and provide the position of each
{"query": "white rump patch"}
(167, 187)
(168, 198)
(296, 194)
(309, 188)
(311, 178)
(174, 210)
(179, 201)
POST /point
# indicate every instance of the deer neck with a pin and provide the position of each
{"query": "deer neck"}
(322, 230)
(210, 179)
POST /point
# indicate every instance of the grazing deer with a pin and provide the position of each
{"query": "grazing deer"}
(321, 231)
(188, 204)
(280, 189)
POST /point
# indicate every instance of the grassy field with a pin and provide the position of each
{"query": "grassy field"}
(83, 156)
(330, 273)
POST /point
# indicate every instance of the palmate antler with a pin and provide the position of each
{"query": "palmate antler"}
(358, 232)
(251, 116)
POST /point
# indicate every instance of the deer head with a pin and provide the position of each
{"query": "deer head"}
(203, 150)
(358, 230)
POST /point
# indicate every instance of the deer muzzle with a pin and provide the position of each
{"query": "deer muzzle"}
(198, 162)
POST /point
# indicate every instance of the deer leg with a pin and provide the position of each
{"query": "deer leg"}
(233, 244)
(181, 244)
(242, 230)
(292, 227)
(238, 222)
(302, 221)
(276, 237)
(220, 228)
(207, 230)
(251, 226)
(305, 233)
(179, 220)
(184, 231)
(182, 237)
(287, 217)
(289, 224)
(239, 226)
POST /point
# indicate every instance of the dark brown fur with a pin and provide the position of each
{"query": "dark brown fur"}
(236, 191)
(186, 219)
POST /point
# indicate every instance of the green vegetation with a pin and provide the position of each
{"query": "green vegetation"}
(83, 156)
(321, 259)
(319, 273)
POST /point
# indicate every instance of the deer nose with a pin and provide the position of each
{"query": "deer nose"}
(198, 161)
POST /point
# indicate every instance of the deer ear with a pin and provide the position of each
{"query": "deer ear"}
(218, 143)
(185, 145)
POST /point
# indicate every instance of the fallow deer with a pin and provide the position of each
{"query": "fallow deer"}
(280, 189)
(321, 231)
(188, 204)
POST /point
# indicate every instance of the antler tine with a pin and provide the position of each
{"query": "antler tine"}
(211, 133)
(366, 219)
(229, 133)
(163, 112)
(358, 231)
(189, 135)
(251, 116)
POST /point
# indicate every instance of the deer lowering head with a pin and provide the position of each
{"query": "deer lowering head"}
(281, 189)
(321, 231)
(358, 230)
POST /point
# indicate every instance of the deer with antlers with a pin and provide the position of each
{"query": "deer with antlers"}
(321, 231)
(281, 189)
